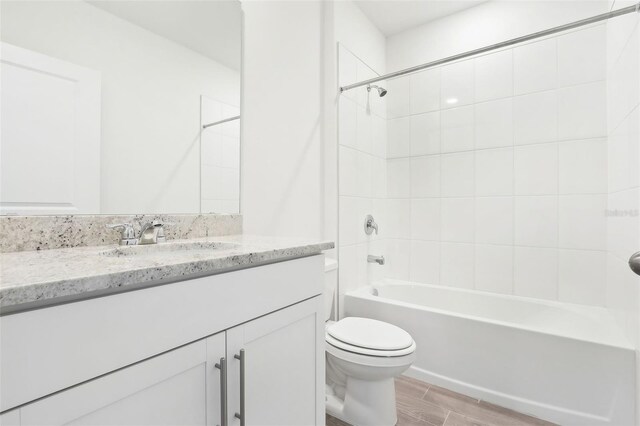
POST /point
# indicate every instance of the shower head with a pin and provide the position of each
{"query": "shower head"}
(381, 90)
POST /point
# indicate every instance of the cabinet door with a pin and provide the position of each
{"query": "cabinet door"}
(283, 367)
(174, 388)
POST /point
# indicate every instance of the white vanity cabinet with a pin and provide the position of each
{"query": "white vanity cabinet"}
(175, 388)
(274, 358)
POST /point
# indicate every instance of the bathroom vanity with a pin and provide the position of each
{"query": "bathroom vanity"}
(226, 336)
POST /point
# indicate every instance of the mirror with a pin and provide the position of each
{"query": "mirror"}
(120, 107)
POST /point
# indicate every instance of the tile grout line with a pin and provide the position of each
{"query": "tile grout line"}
(446, 418)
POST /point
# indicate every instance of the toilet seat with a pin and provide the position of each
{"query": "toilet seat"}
(369, 337)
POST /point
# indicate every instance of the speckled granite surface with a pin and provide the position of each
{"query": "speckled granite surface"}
(19, 233)
(39, 278)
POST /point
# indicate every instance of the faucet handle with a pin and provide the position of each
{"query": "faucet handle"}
(127, 233)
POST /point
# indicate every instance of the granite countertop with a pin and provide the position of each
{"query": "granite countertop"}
(31, 279)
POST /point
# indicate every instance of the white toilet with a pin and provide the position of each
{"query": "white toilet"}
(362, 358)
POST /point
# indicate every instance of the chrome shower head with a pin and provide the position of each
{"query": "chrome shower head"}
(381, 90)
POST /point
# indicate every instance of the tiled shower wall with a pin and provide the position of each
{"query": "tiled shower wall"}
(623, 232)
(497, 171)
(362, 174)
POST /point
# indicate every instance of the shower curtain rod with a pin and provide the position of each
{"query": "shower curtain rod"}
(576, 24)
(237, 117)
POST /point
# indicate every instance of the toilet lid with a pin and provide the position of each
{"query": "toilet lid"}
(370, 334)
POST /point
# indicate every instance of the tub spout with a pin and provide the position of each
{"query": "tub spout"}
(376, 259)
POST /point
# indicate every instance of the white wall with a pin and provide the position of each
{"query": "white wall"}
(151, 91)
(282, 185)
(480, 26)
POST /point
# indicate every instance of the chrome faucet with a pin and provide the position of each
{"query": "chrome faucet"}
(370, 225)
(152, 233)
(376, 259)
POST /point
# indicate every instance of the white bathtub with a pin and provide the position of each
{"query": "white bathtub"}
(565, 363)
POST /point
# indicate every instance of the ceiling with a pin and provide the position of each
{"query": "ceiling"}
(394, 16)
(211, 28)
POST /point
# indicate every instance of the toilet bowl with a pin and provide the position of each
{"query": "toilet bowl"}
(362, 358)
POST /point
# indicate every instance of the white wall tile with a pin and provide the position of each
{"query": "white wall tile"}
(425, 91)
(348, 184)
(398, 178)
(364, 174)
(398, 97)
(230, 152)
(536, 169)
(425, 133)
(582, 221)
(457, 84)
(425, 219)
(582, 277)
(457, 220)
(535, 272)
(425, 176)
(623, 154)
(582, 111)
(582, 166)
(494, 172)
(494, 268)
(380, 136)
(457, 129)
(582, 56)
(536, 221)
(494, 124)
(347, 122)
(398, 219)
(348, 223)
(364, 206)
(457, 174)
(535, 118)
(494, 220)
(457, 261)
(364, 130)
(425, 262)
(398, 137)
(535, 67)
(623, 227)
(494, 76)
(398, 257)
(378, 177)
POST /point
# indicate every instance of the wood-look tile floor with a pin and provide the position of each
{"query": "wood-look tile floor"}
(422, 404)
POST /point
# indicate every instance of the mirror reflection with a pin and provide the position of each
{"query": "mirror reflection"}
(120, 107)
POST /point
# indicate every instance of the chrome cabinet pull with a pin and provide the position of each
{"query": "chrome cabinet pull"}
(222, 366)
(241, 414)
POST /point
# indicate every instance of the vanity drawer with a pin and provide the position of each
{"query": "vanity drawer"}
(49, 349)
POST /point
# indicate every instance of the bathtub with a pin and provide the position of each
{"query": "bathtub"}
(565, 363)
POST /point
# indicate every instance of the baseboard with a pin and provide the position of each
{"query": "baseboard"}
(533, 408)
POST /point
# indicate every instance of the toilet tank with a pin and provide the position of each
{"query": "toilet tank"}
(330, 288)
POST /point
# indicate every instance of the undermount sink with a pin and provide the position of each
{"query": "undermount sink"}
(177, 248)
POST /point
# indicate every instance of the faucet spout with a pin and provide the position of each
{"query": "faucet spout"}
(375, 259)
(149, 233)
